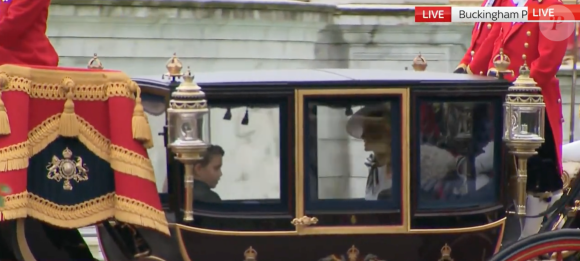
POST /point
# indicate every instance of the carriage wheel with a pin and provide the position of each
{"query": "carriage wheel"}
(556, 245)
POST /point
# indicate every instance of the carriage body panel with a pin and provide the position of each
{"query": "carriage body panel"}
(427, 112)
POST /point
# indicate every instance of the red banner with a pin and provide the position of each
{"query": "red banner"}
(100, 108)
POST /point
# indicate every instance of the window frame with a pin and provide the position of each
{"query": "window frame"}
(285, 201)
(355, 228)
(496, 101)
(320, 206)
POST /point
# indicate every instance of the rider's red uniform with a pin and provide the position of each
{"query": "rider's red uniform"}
(479, 34)
(543, 56)
(23, 33)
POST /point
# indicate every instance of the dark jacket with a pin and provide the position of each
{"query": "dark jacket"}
(203, 193)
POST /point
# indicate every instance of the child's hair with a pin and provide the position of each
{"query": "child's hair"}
(210, 152)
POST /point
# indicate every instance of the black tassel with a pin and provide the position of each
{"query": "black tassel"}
(228, 115)
(246, 119)
(348, 111)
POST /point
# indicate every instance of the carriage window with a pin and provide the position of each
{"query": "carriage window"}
(250, 138)
(249, 169)
(459, 147)
(353, 152)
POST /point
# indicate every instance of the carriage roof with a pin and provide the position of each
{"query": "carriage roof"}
(320, 78)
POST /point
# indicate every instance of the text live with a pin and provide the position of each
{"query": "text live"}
(433, 14)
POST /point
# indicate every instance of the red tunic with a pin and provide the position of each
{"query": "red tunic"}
(543, 56)
(23, 37)
(479, 34)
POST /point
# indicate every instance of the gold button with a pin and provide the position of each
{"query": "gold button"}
(559, 100)
(488, 26)
(529, 33)
(480, 72)
(524, 56)
(526, 45)
(472, 53)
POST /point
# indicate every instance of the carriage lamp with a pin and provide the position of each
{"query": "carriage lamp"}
(524, 111)
(186, 111)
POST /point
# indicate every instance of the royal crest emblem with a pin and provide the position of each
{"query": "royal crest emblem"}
(68, 168)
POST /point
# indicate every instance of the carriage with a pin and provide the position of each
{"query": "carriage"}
(325, 164)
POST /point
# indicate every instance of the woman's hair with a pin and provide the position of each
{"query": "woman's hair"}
(209, 153)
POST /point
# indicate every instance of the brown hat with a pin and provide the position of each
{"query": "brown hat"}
(379, 113)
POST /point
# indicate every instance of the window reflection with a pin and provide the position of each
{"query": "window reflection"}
(353, 152)
(457, 154)
(251, 164)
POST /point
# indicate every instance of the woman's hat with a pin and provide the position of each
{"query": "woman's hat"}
(380, 113)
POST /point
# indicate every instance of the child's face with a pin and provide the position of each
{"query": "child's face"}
(212, 172)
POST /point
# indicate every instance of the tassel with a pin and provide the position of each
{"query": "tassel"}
(228, 114)
(140, 124)
(4, 123)
(348, 111)
(246, 118)
(69, 124)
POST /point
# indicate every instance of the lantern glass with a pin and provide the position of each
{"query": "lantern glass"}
(528, 123)
(507, 123)
(172, 125)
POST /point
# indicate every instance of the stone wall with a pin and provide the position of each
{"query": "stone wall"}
(139, 36)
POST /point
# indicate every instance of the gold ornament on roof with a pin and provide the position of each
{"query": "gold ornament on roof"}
(501, 61)
(446, 253)
(174, 67)
(250, 254)
(352, 253)
(68, 168)
(95, 63)
(419, 63)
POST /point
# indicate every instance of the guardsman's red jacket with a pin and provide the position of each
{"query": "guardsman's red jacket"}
(542, 55)
(479, 34)
(23, 37)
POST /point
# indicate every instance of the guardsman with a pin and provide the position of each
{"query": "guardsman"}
(535, 45)
(23, 33)
(479, 34)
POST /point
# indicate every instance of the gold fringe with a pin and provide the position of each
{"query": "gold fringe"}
(4, 123)
(14, 157)
(132, 211)
(121, 159)
(15, 206)
(89, 85)
(43, 134)
(140, 124)
(131, 163)
(69, 126)
(86, 213)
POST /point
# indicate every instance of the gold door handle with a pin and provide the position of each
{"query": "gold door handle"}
(304, 221)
